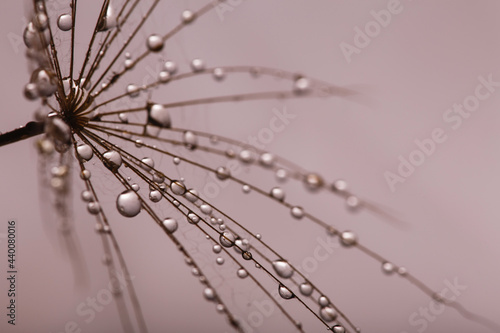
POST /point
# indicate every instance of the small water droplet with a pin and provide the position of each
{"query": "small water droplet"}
(128, 203)
(197, 65)
(247, 255)
(388, 268)
(190, 140)
(85, 152)
(133, 90)
(158, 115)
(323, 301)
(177, 187)
(246, 188)
(87, 196)
(209, 294)
(188, 16)
(177, 160)
(206, 209)
(219, 260)
(242, 273)
(222, 173)
(348, 238)
(301, 85)
(170, 224)
(218, 74)
(266, 159)
(155, 196)
(338, 329)
(246, 156)
(85, 175)
(216, 248)
(284, 292)
(278, 194)
(170, 67)
(193, 218)
(147, 163)
(297, 212)
(93, 208)
(339, 185)
(313, 181)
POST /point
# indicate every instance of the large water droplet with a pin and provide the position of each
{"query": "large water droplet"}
(128, 203)
(65, 22)
(227, 239)
(306, 289)
(147, 163)
(170, 224)
(328, 313)
(154, 43)
(85, 152)
(177, 187)
(158, 115)
(283, 268)
(108, 19)
(112, 160)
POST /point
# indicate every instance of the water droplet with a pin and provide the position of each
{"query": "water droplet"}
(339, 185)
(246, 156)
(247, 255)
(177, 187)
(192, 195)
(41, 21)
(301, 85)
(197, 65)
(112, 160)
(353, 203)
(65, 22)
(277, 193)
(246, 188)
(266, 159)
(206, 209)
(45, 81)
(193, 218)
(284, 292)
(87, 196)
(155, 196)
(135, 187)
(85, 174)
(328, 313)
(30, 91)
(281, 175)
(306, 289)
(297, 212)
(147, 163)
(283, 268)
(85, 152)
(222, 173)
(219, 260)
(158, 115)
(388, 268)
(158, 177)
(154, 43)
(209, 294)
(170, 224)
(323, 301)
(133, 90)
(348, 238)
(242, 273)
(219, 74)
(108, 19)
(188, 16)
(123, 118)
(128, 203)
(227, 239)
(402, 271)
(93, 208)
(338, 329)
(139, 143)
(190, 140)
(313, 181)
(177, 160)
(241, 245)
(216, 248)
(170, 67)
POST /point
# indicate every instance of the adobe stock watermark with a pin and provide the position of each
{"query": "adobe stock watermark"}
(453, 117)
(277, 124)
(372, 29)
(88, 309)
(265, 308)
(227, 6)
(421, 319)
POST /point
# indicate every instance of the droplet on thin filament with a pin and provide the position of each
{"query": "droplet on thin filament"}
(128, 203)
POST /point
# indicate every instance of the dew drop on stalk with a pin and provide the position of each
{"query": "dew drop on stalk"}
(147, 163)
(112, 160)
(85, 174)
(164, 76)
(301, 85)
(170, 224)
(93, 208)
(155, 196)
(242, 273)
(246, 156)
(216, 248)
(85, 152)
(218, 74)
(281, 175)
(128, 203)
(87, 196)
(219, 260)
(65, 22)
(197, 65)
(348, 238)
(313, 181)
(222, 173)
(133, 90)
(206, 209)
(284, 292)
(154, 43)
(193, 218)
(283, 268)
(188, 16)
(323, 300)
(338, 329)
(227, 239)
(297, 212)
(328, 313)
(170, 67)
(108, 19)
(277, 193)
(306, 289)
(266, 159)
(209, 294)
(158, 115)
(190, 140)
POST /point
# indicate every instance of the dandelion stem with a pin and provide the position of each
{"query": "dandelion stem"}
(27, 131)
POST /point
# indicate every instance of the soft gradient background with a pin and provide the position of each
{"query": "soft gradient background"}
(428, 58)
